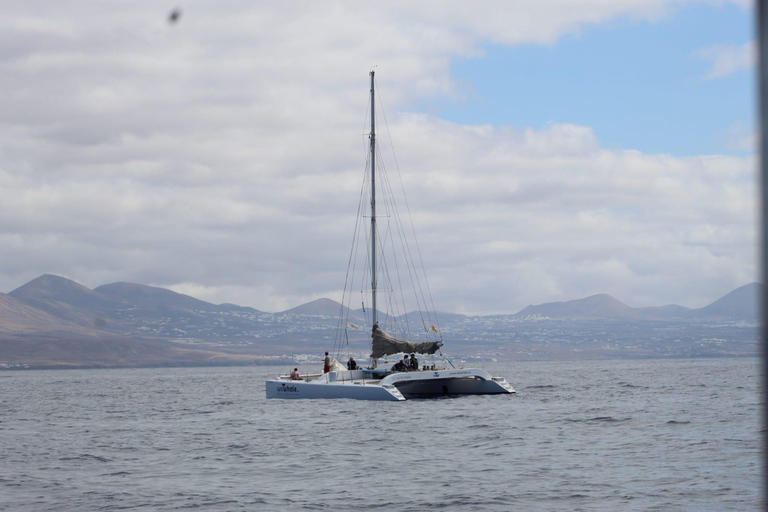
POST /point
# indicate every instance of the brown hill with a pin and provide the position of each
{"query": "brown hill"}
(67, 300)
(18, 317)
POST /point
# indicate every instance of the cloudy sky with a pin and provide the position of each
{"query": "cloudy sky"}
(550, 149)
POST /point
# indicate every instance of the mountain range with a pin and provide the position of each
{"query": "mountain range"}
(52, 321)
(740, 304)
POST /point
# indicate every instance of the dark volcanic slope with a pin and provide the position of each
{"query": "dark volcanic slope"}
(596, 306)
(740, 304)
(150, 296)
(67, 300)
(324, 307)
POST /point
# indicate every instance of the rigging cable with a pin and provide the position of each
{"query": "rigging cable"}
(414, 272)
(390, 204)
(410, 217)
(351, 265)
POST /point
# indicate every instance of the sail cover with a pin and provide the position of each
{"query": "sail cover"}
(384, 344)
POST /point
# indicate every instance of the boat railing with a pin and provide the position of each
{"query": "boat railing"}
(308, 376)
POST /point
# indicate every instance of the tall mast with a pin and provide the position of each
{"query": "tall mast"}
(373, 207)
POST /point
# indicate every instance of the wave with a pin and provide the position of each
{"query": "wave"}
(598, 418)
(87, 456)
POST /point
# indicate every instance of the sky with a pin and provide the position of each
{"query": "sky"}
(551, 150)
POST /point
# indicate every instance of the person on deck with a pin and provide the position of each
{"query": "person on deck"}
(400, 366)
(414, 362)
(407, 362)
(351, 364)
(327, 363)
(295, 375)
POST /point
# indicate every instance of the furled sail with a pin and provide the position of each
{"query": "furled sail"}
(384, 344)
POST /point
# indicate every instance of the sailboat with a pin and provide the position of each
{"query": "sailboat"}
(374, 383)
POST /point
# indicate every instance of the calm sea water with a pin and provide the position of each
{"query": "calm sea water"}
(616, 435)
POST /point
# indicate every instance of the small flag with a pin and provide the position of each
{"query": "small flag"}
(435, 329)
(353, 326)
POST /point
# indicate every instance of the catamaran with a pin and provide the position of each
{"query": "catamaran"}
(374, 383)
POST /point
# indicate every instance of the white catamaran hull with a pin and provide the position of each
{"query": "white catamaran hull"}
(395, 387)
(463, 381)
(333, 385)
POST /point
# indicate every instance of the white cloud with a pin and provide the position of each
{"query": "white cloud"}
(728, 59)
(222, 156)
(740, 138)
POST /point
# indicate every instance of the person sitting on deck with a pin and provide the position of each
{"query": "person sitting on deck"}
(400, 366)
(295, 375)
(351, 364)
(414, 362)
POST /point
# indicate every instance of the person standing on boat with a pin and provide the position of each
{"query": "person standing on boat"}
(406, 362)
(327, 363)
(414, 363)
(351, 364)
(295, 375)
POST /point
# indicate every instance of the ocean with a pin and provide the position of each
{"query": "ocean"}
(604, 435)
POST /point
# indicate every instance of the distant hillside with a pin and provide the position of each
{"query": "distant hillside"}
(419, 319)
(118, 308)
(67, 300)
(319, 307)
(57, 288)
(669, 312)
(151, 296)
(327, 308)
(18, 317)
(53, 321)
(597, 306)
(234, 307)
(742, 304)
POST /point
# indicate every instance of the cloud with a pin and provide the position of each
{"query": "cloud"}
(740, 138)
(223, 156)
(728, 59)
(541, 218)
